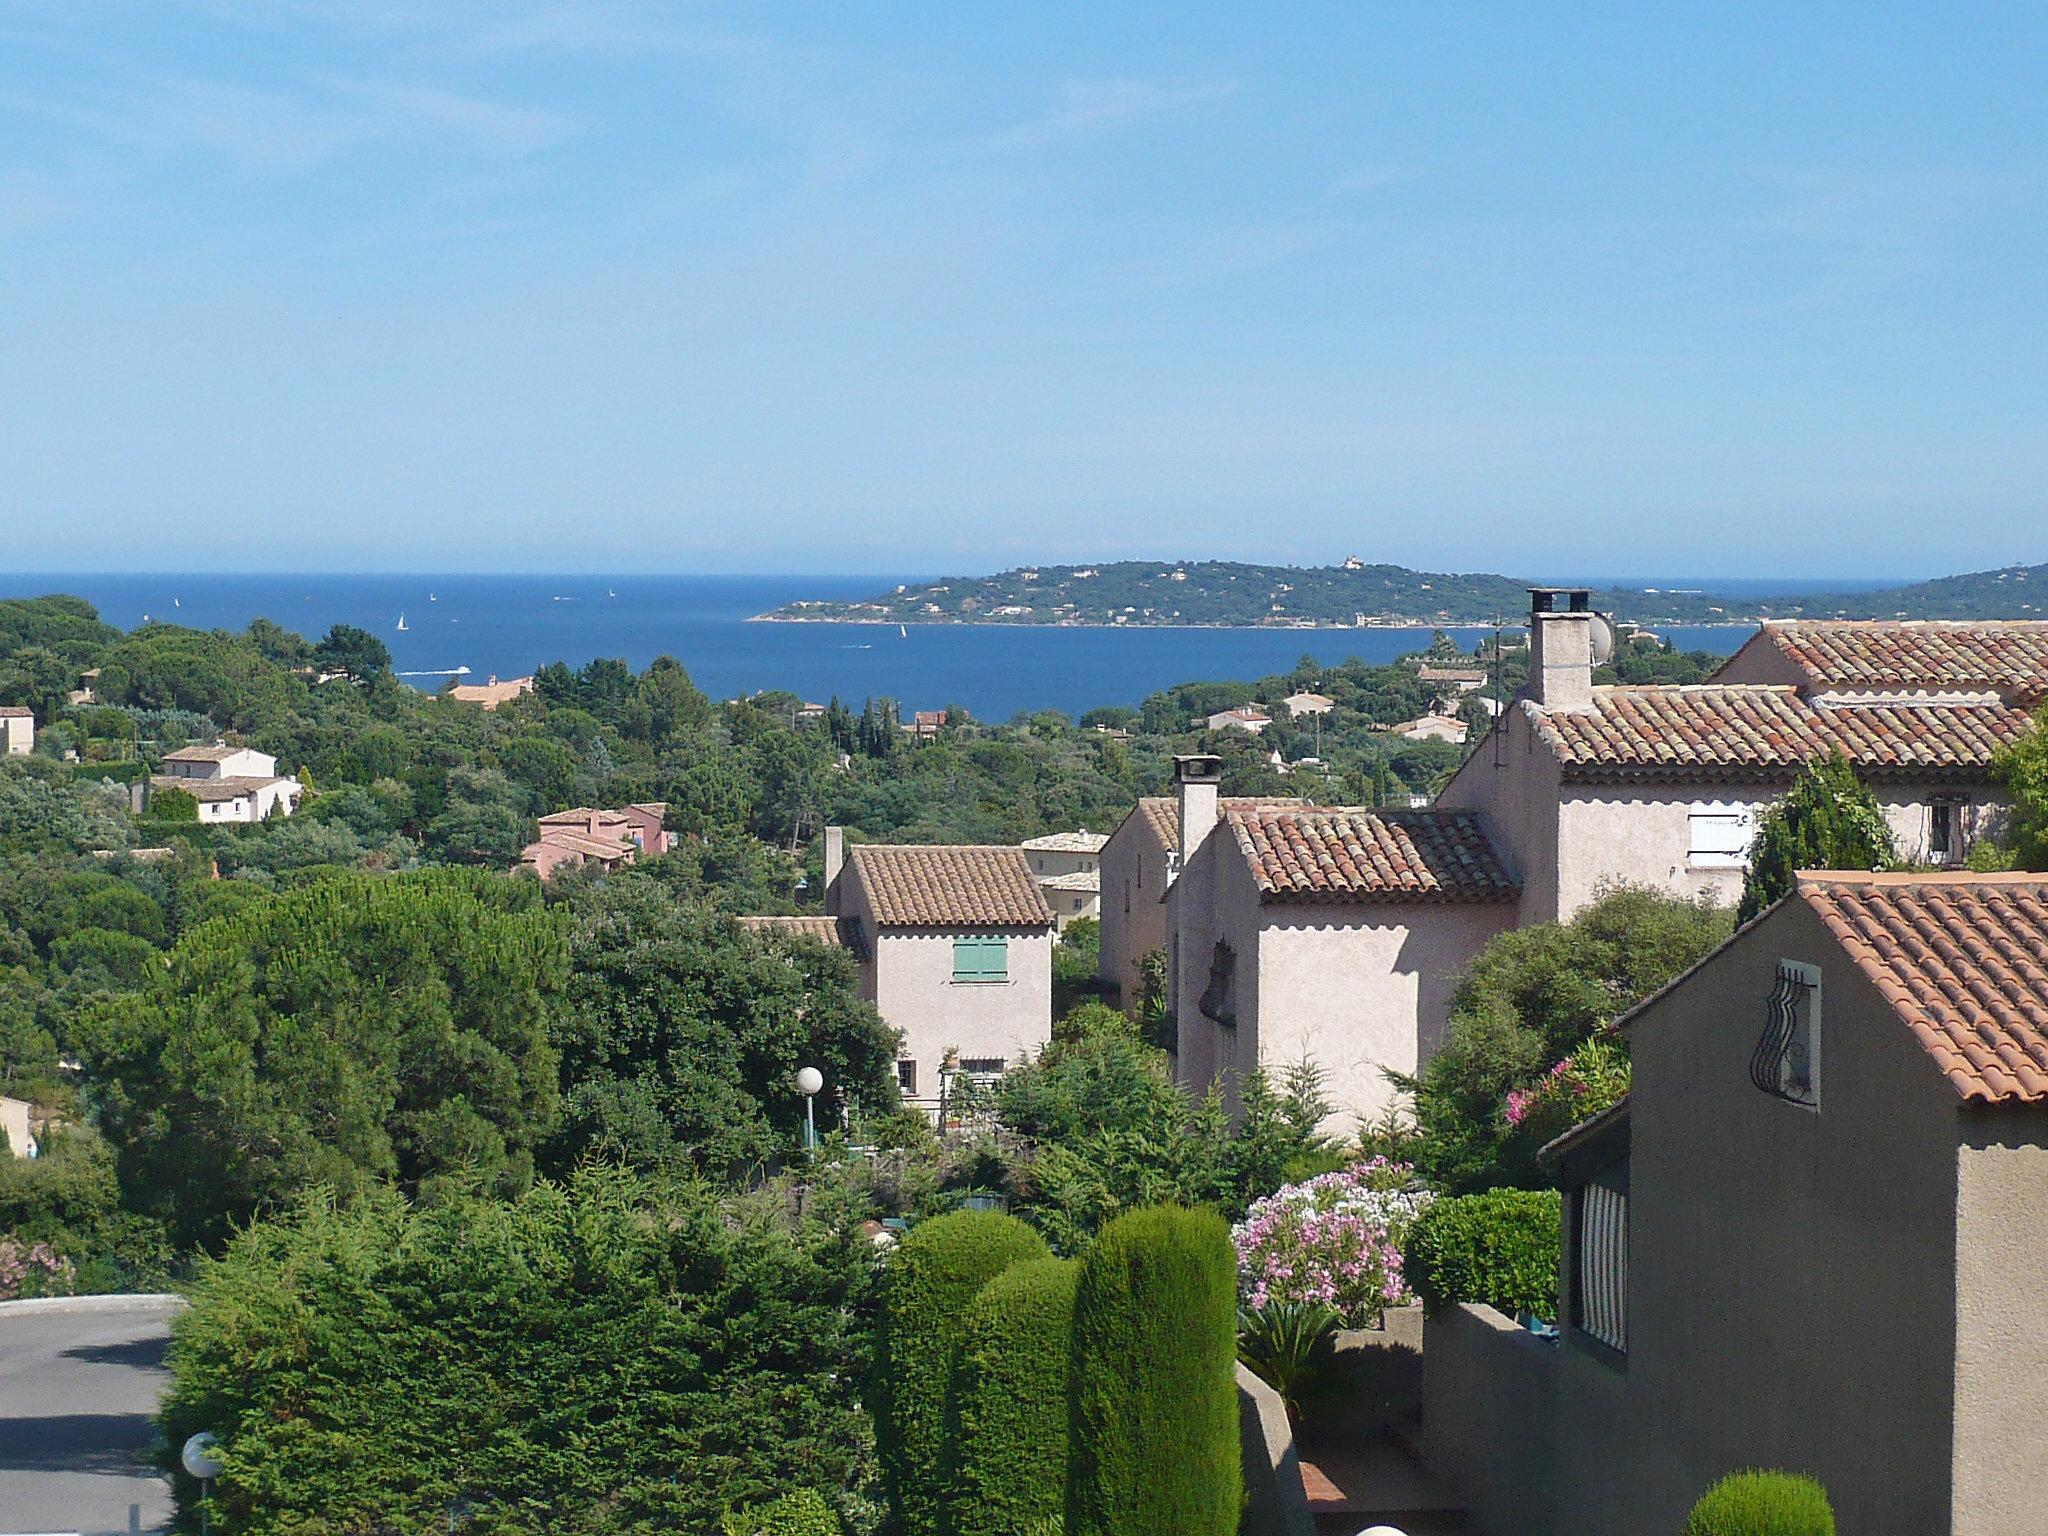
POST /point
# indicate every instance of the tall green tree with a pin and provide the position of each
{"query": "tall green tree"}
(2023, 769)
(1829, 820)
(353, 1030)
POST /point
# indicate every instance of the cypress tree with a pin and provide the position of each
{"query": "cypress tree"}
(931, 1279)
(1830, 820)
(1006, 1424)
(1154, 1401)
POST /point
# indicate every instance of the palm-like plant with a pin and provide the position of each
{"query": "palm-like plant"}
(1283, 1344)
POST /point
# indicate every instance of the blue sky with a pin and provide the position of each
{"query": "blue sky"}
(1645, 289)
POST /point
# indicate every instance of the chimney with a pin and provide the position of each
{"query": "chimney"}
(1561, 648)
(1198, 774)
(835, 860)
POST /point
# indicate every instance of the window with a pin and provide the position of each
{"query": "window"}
(981, 959)
(1599, 1277)
(906, 1078)
(1786, 1061)
(983, 1071)
(1720, 836)
(1947, 819)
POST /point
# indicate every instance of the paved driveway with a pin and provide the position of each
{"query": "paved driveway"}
(79, 1379)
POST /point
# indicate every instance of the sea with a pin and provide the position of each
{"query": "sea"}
(476, 626)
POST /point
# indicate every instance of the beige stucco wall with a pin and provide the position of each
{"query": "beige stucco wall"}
(2001, 1391)
(909, 977)
(1791, 1270)
(1511, 779)
(1355, 988)
(1133, 908)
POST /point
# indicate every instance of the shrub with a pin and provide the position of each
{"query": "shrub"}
(1762, 1504)
(1500, 1248)
(1334, 1240)
(930, 1281)
(802, 1513)
(167, 803)
(1593, 1078)
(1282, 1343)
(1006, 1446)
(1155, 1444)
(1829, 820)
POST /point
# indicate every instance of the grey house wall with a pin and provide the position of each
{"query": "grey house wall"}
(1133, 874)
(1792, 1271)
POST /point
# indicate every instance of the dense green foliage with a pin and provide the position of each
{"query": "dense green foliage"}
(1155, 1427)
(681, 1035)
(1829, 820)
(352, 1030)
(1286, 1344)
(600, 1356)
(1530, 999)
(932, 1277)
(802, 1513)
(1500, 1248)
(2022, 769)
(1006, 1432)
(1762, 1504)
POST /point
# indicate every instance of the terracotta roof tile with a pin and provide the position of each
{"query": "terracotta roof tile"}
(836, 932)
(1162, 814)
(948, 886)
(1764, 734)
(231, 788)
(2008, 655)
(1082, 841)
(1963, 960)
(1348, 854)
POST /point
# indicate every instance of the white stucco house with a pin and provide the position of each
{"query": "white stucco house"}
(1246, 717)
(231, 784)
(17, 731)
(954, 945)
(1582, 786)
(1067, 866)
(1329, 934)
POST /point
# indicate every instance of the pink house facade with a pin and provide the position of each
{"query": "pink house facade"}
(609, 839)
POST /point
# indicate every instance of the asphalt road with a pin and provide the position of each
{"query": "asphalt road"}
(79, 1380)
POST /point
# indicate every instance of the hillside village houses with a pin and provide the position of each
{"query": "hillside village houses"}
(954, 945)
(231, 784)
(608, 839)
(17, 731)
(491, 693)
(1814, 1235)
(1245, 717)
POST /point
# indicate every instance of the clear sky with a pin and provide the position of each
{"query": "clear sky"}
(1657, 289)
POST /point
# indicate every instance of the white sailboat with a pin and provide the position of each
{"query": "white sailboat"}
(902, 631)
(401, 622)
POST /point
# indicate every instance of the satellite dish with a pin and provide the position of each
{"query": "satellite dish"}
(1603, 640)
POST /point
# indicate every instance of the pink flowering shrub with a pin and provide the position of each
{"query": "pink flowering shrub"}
(1594, 1077)
(1335, 1239)
(32, 1269)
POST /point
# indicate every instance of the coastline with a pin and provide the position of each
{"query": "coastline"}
(1278, 629)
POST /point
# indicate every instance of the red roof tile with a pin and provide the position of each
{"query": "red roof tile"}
(948, 886)
(1719, 733)
(1348, 854)
(834, 932)
(2010, 656)
(1962, 959)
(1162, 814)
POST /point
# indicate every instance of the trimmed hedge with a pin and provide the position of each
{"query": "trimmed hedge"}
(1500, 1248)
(1006, 1429)
(1154, 1430)
(1762, 1504)
(931, 1279)
(802, 1513)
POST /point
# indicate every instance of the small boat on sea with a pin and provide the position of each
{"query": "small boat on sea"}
(401, 622)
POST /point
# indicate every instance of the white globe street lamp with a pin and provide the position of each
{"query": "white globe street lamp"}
(201, 1459)
(809, 1082)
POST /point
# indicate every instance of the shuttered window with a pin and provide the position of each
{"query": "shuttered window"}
(981, 959)
(1721, 835)
(1600, 1274)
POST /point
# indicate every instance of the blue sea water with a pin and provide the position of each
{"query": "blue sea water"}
(509, 625)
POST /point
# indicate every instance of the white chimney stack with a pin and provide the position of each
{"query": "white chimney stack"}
(1561, 621)
(1198, 775)
(835, 860)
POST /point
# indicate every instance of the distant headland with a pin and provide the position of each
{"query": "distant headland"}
(1228, 593)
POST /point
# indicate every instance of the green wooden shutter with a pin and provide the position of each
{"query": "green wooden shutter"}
(981, 959)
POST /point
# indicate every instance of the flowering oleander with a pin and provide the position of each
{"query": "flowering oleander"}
(1335, 1239)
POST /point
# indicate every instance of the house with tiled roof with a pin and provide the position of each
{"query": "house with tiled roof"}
(1328, 934)
(1583, 786)
(230, 784)
(1135, 866)
(955, 951)
(491, 693)
(1814, 1236)
(610, 839)
(1068, 867)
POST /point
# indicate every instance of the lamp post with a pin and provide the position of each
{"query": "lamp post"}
(201, 1458)
(809, 1082)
